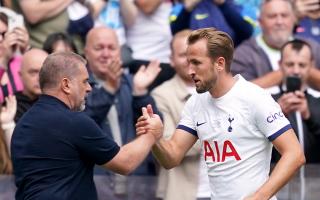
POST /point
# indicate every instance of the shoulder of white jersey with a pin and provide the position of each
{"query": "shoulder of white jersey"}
(250, 90)
(197, 101)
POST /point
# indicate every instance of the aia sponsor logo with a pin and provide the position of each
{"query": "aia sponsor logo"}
(272, 117)
(213, 152)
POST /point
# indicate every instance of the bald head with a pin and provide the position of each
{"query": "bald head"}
(33, 57)
(101, 49)
(101, 32)
(32, 62)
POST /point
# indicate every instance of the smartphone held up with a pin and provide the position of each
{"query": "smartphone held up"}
(293, 83)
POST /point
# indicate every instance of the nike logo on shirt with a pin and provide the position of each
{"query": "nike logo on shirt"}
(201, 16)
(199, 124)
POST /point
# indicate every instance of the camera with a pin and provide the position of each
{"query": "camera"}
(293, 83)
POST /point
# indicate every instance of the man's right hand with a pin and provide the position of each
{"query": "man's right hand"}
(149, 123)
(113, 75)
(294, 101)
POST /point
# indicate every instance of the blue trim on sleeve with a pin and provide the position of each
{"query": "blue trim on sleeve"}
(189, 130)
(279, 132)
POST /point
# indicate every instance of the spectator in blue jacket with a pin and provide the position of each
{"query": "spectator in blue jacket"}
(116, 98)
(221, 14)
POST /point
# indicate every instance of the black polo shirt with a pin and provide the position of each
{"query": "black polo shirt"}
(54, 151)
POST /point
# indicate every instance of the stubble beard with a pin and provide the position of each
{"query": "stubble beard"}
(206, 86)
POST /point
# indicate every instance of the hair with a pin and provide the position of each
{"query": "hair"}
(53, 38)
(4, 18)
(297, 45)
(180, 34)
(58, 66)
(219, 44)
(264, 2)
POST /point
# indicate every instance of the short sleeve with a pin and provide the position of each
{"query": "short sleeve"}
(187, 121)
(269, 117)
(92, 142)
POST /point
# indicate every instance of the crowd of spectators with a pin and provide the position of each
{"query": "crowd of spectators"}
(136, 55)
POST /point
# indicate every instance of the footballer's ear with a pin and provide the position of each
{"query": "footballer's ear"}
(220, 63)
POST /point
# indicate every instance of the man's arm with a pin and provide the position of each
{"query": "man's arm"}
(314, 78)
(292, 158)
(170, 153)
(241, 27)
(133, 153)
(170, 106)
(7, 119)
(147, 6)
(270, 79)
(129, 12)
(36, 11)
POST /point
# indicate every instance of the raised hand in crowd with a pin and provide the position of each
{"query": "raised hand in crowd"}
(113, 73)
(307, 8)
(294, 101)
(18, 39)
(8, 111)
(5, 52)
(7, 114)
(145, 76)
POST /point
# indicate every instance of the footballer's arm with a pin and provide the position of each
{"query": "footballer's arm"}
(292, 158)
(170, 153)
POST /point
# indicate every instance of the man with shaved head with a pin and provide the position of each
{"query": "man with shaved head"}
(29, 73)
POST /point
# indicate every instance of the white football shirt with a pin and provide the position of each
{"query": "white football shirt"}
(236, 131)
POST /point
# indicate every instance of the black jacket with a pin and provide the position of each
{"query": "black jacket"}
(311, 129)
(23, 104)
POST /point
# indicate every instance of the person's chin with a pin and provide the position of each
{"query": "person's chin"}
(37, 92)
(82, 108)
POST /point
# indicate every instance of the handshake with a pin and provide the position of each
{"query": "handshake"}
(149, 123)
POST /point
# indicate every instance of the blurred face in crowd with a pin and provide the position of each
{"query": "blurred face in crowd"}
(296, 63)
(179, 58)
(277, 22)
(201, 67)
(61, 46)
(31, 64)
(3, 30)
(80, 88)
(101, 50)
